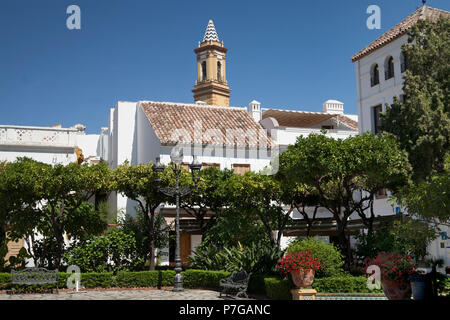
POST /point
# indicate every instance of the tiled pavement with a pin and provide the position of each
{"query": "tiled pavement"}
(164, 294)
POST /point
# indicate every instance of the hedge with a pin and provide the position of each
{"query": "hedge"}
(157, 278)
(279, 289)
(343, 284)
(203, 278)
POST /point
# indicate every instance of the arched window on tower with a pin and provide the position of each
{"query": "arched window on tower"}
(389, 68)
(374, 75)
(219, 71)
(203, 70)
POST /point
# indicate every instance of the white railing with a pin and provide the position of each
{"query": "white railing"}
(37, 136)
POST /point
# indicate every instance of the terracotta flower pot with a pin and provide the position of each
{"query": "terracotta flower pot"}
(396, 289)
(302, 279)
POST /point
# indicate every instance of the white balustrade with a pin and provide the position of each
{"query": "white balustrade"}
(37, 136)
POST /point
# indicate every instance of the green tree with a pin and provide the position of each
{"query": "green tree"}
(234, 226)
(409, 237)
(346, 174)
(53, 200)
(138, 183)
(430, 200)
(209, 199)
(263, 196)
(137, 226)
(421, 121)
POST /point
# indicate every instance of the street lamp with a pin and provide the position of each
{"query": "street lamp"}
(176, 157)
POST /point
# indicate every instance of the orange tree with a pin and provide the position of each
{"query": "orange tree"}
(52, 201)
(346, 174)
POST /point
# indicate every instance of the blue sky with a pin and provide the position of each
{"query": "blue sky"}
(285, 54)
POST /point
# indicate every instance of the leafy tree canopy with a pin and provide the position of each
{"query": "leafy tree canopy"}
(422, 120)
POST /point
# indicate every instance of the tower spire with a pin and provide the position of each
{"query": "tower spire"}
(210, 33)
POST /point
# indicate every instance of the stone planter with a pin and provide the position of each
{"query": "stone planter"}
(396, 289)
(302, 279)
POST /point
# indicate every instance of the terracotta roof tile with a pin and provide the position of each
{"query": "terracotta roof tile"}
(175, 122)
(302, 119)
(401, 29)
(352, 124)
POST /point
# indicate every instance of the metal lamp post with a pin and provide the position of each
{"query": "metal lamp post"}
(177, 192)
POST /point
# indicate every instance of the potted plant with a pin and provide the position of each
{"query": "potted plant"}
(419, 284)
(395, 270)
(301, 266)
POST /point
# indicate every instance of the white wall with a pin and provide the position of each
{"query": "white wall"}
(286, 136)
(148, 145)
(382, 93)
(89, 144)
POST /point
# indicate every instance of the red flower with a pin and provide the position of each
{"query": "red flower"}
(299, 261)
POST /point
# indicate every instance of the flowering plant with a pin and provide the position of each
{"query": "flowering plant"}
(393, 266)
(302, 260)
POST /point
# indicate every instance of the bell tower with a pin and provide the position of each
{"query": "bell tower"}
(211, 86)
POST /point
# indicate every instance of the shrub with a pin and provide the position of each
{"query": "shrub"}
(278, 289)
(343, 284)
(111, 252)
(259, 258)
(329, 256)
(203, 278)
(5, 281)
(98, 280)
(157, 278)
(207, 257)
(256, 283)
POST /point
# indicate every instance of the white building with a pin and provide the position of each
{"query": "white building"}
(52, 145)
(285, 126)
(380, 68)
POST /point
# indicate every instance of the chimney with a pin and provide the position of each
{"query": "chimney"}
(255, 110)
(333, 107)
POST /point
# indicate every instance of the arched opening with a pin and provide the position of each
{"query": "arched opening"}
(203, 70)
(374, 75)
(219, 71)
(389, 68)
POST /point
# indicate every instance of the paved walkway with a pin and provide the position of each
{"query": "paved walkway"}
(164, 294)
(148, 294)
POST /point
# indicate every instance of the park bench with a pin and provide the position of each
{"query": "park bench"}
(35, 276)
(238, 281)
